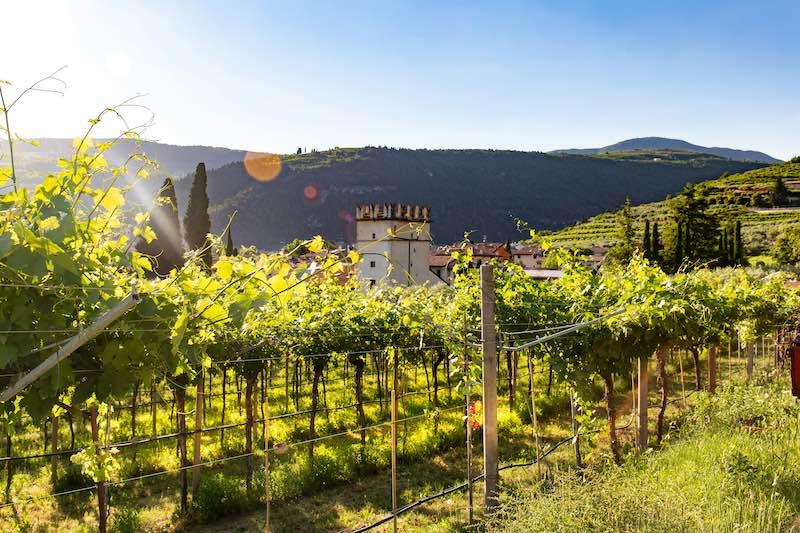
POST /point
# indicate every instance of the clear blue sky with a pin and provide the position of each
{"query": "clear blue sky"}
(520, 75)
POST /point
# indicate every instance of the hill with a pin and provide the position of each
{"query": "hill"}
(481, 190)
(663, 143)
(740, 196)
(33, 162)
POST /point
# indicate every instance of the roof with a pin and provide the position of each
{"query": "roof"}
(439, 260)
(544, 273)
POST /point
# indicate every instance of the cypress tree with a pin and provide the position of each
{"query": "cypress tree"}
(230, 249)
(679, 247)
(196, 222)
(721, 250)
(739, 246)
(646, 247)
(166, 250)
(725, 253)
(655, 244)
(687, 240)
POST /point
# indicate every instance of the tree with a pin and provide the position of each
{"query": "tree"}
(700, 226)
(787, 247)
(299, 150)
(166, 249)
(739, 256)
(678, 255)
(196, 222)
(230, 249)
(655, 243)
(779, 193)
(626, 246)
(724, 252)
(646, 245)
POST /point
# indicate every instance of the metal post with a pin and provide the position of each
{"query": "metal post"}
(641, 440)
(489, 343)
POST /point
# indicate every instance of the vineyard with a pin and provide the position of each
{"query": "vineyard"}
(136, 401)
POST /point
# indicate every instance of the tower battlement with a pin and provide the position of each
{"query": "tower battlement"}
(404, 212)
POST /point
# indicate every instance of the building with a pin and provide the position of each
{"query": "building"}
(395, 243)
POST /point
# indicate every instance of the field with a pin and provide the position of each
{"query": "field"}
(345, 485)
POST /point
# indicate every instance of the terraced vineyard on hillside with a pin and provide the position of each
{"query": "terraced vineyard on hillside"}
(737, 197)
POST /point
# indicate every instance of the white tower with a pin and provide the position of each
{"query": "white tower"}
(397, 235)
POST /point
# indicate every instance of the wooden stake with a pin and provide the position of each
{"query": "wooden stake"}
(266, 459)
(750, 349)
(198, 435)
(394, 453)
(489, 343)
(577, 442)
(641, 440)
(712, 369)
(683, 381)
(468, 400)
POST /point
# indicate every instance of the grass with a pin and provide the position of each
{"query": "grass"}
(734, 466)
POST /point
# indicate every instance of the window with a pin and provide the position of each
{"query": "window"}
(372, 264)
(372, 283)
(373, 235)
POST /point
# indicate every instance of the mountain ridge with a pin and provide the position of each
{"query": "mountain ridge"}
(665, 143)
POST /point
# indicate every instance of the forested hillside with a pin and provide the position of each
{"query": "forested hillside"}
(484, 191)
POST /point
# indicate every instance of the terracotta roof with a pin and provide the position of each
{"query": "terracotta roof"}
(439, 260)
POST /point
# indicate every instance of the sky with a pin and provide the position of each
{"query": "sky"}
(536, 75)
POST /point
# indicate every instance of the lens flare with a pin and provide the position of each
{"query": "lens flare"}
(262, 166)
(310, 192)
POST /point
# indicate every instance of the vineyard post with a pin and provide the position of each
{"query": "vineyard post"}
(641, 440)
(198, 432)
(683, 381)
(54, 449)
(101, 486)
(712, 368)
(533, 415)
(750, 348)
(489, 342)
(266, 457)
(394, 443)
(575, 439)
(467, 400)
(153, 408)
(730, 356)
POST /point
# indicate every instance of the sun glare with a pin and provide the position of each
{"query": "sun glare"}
(262, 166)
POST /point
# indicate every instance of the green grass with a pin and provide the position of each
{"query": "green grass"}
(734, 466)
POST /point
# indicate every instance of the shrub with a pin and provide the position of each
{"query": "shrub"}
(218, 496)
(72, 478)
(125, 520)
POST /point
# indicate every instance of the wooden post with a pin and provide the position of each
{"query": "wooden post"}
(266, 458)
(576, 440)
(750, 348)
(54, 449)
(712, 369)
(641, 440)
(394, 451)
(468, 400)
(198, 435)
(102, 510)
(489, 343)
